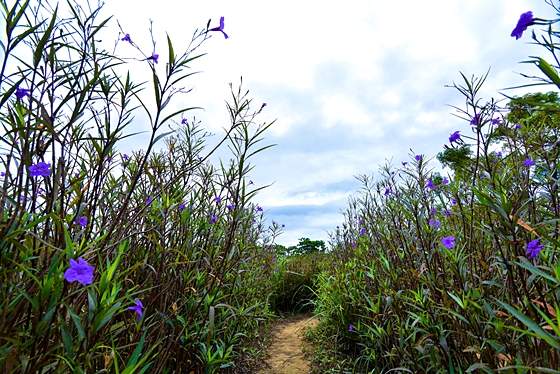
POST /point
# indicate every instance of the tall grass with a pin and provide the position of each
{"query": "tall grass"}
(457, 273)
(169, 235)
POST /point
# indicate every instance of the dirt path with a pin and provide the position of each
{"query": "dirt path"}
(285, 355)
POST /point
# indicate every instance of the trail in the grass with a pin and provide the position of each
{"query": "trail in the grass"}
(285, 354)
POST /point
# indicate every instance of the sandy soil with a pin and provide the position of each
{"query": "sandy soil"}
(285, 355)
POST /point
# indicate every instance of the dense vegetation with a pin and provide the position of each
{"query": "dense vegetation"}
(160, 262)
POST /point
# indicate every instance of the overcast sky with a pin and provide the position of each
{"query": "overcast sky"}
(350, 85)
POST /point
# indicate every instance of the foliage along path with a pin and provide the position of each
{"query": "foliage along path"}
(285, 354)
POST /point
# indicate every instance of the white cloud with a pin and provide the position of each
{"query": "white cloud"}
(351, 85)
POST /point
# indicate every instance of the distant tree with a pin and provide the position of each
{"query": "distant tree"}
(280, 249)
(307, 245)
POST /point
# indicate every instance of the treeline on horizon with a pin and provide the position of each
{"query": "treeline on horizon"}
(159, 261)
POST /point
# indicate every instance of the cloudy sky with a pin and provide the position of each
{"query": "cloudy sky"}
(350, 85)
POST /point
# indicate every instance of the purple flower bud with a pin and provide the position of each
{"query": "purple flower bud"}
(475, 120)
(455, 137)
(22, 92)
(154, 57)
(448, 242)
(40, 170)
(525, 21)
(528, 162)
(220, 28)
(137, 308)
(534, 248)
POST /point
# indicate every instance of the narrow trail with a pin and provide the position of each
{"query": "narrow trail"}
(285, 354)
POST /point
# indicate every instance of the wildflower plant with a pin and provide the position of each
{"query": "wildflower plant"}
(82, 235)
(476, 288)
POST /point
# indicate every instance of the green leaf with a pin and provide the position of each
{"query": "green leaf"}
(171, 53)
(548, 70)
(539, 332)
(41, 45)
(67, 340)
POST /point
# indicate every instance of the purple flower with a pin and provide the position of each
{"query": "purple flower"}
(387, 191)
(183, 121)
(82, 221)
(475, 120)
(149, 201)
(534, 248)
(283, 225)
(182, 207)
(40, 170)
(217, 199)
(525, 20)
(259, 209)
(433, 211)
(454, 137)
(40, 191)
(362, 231)
(127, 38)
(404, 163)
(434, 223)
(213, 219)
(453, 201)
(21, 92)
(447, 213)
(153, 57)
(230, 207)
(220, 28)
(528, 162)
(499, 154)
(125, 156)
(518, 126)
(2, 174)
(137, 308)
(79, 271)
(448, 242)
(430, 184)
(263, 105)
(351, 328)
(445, 180)
(496, 121)
(418, 157)
(250, 182)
